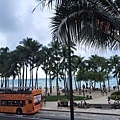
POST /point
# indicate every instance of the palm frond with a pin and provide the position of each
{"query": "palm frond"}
(87, 24)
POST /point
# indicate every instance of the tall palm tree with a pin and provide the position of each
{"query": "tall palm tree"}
(32, 46)
(55, 45)
(45, 64)
(81, 67)
(22, 55)
(86, 23)
(89, 22)
(115, 62)
(4, 65)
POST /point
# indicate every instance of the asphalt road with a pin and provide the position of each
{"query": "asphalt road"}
(52, 115)
(20, 117)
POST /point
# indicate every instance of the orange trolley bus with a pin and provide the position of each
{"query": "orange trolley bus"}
(20, 102)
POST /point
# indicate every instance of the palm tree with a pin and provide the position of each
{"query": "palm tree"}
(75, 64)
(32, 46)
(45, 64)
(85, 22)
(115, 63)
(38, 62)
(55, 45)
(93, 23)
(4, 65)
(108, 68)
(22, 56)
(14, 65)
(81, 67)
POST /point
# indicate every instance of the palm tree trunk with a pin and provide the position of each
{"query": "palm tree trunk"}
(100, 85)
(70, 75)
(36, 80)
(18, 82)
(94, 84)
(5, 82)
(57, 87)
(8, 82)
(32, 79)
(2, 81)
(12, 84)
(26, 78)
(117, 83)
(79, 88)
(23, 76)
(75, 83)
(50, 84)
(46, 86)
(90, 85)
(108, 83)
(65, 85)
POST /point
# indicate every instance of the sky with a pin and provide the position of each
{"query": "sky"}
(18, 22)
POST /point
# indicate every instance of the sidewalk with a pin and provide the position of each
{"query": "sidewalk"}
(52, 106)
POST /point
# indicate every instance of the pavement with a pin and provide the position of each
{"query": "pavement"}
(102, 99)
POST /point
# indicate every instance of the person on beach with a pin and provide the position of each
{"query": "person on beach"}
(59, 103)
(44, 101)
(106, 91)
(101, 91)
(108, 99)
(116, 99)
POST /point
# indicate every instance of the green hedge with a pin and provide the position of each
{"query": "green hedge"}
(62, 97)
(64, 100)
(116, 93)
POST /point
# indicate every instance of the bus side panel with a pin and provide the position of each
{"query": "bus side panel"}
(29, 109)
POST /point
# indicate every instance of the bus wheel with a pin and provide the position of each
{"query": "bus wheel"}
(19, 111)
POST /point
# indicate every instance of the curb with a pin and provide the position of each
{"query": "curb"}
(112, 114)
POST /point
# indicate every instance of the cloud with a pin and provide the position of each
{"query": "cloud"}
(18, 22)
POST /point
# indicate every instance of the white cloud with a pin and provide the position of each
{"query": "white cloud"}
(3, 41)
(18, 22)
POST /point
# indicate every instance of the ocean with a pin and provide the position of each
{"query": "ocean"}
(41, 83)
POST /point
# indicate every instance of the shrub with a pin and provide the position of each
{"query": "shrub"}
(116, 93)
(64, 100)
(112, 97)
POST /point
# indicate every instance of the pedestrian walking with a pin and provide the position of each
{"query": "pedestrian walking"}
(108, 99)
(44, 101)
(59, 103)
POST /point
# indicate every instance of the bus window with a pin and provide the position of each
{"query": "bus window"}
(3, 103)
(37, 99)
(9, 103)
(20, 103)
